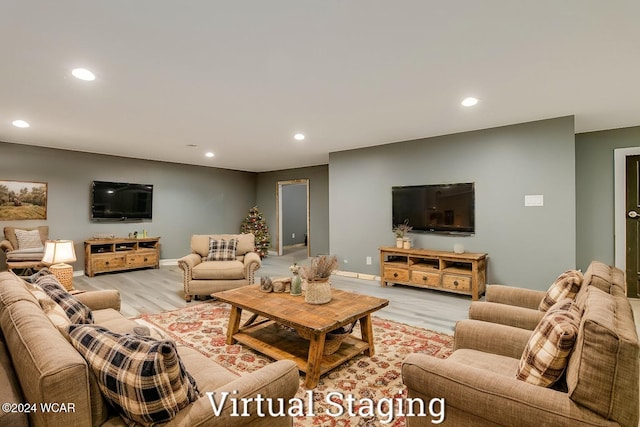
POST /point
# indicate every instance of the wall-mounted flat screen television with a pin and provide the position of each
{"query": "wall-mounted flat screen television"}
(438, 208)
(121, 201)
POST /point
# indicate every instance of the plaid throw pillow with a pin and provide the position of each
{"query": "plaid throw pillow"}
(143, 378)
(566, 285)
(54, 312)
(546, 354)
(222, 250)
(76, 311)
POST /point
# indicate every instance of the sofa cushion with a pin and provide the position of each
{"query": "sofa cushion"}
(222, 250)
(603, 276)
(546, 354)
(566, 285)
(76, 311)
(143, 378)
(200, 243)
(219, 270)
(54, 312)
(28, 239)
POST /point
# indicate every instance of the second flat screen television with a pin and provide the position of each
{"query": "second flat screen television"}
(437, 208)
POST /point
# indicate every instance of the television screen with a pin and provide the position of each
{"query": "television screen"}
(121, 201)
(439, 208)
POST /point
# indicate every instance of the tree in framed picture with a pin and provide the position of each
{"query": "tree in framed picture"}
(20, 200)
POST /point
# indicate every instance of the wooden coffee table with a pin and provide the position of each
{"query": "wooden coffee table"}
(311, 322)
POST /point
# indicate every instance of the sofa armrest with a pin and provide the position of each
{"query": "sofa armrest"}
(490, 338)
(100, 300)
(520, 317)
(252, 263)
(521, 297)
(493, 398)
(276, 380)
(187, 262)
(6, 246)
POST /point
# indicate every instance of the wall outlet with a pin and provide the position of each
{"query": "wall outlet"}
(368, 260)
(293, 235)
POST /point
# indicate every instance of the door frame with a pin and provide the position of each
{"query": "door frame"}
(620, 209)
(279, 215)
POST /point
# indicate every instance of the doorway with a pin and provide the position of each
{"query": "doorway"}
(292, 200)
(627, 216)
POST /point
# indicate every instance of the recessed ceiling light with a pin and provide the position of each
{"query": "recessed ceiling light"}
(298, 137)
(20, 124)
(470, 101)
(209, 154)
(83, 74)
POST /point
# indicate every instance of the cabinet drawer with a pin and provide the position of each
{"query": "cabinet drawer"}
(459, 283)
(425, 278)
(396, 274)
(106, 263)
(142, 260)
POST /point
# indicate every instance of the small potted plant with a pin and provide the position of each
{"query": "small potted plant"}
(317, 277)
(401, 231)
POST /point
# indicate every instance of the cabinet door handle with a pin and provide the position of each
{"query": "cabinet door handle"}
(425, 278)
(395, 274)
(145, 260)
(455, 283)
(106, 263)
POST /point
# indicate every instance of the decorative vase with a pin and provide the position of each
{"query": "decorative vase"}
(399, 242)
(296, 284)
(318, 291)
(406, 243)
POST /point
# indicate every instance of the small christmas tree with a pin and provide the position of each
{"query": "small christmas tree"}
(255, 223)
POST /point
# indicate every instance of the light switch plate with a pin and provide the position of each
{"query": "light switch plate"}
(534, 200)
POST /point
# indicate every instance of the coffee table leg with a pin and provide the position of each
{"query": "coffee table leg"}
(366, 329)
(314, 361)
(234, 324)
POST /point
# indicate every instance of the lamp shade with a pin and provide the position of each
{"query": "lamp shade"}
(58, 251)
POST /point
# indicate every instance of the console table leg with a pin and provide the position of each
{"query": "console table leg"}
(314, 361)
(234, 324)
(366, 329)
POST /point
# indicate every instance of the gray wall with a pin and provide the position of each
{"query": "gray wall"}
(595, 191)
(318, 177)
(186, 200)
(527, 246)
(294, 214)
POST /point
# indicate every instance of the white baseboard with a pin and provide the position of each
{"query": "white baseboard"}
(356, 275)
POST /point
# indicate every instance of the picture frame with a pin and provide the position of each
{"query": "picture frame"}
(23, 200)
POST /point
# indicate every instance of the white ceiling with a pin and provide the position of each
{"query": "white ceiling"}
(239, 78)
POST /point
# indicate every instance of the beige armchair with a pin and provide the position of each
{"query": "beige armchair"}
(24, 247)
(204, 276)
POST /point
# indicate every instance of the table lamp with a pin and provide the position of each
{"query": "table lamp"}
(56, 254)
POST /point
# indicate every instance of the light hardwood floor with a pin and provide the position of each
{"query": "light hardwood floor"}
(157, 290)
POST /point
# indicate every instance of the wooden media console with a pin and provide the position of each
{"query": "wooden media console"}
(463, 273)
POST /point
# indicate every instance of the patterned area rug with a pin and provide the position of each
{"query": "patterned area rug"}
(204, 326)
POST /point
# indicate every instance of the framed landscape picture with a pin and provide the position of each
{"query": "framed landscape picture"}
(23, 200)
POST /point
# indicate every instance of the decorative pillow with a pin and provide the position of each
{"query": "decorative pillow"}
(54, 312)
(28, 239)
(546, 354)
(76, 311)
(222, 250)
(143, 378)
(566, 285)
